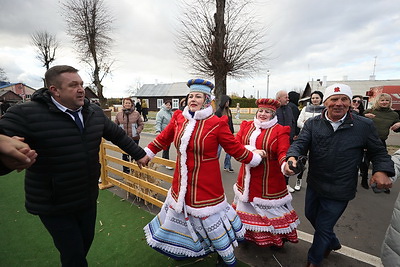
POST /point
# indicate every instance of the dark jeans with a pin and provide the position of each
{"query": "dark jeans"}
(126, 157)
(323, 213)
(165, 153)
(227, 160)
(145, 113)
(72, 235)
(364, 165)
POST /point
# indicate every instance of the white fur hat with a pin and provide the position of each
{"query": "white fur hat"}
(338, 89)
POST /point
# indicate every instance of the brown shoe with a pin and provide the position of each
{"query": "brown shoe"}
(309, 264)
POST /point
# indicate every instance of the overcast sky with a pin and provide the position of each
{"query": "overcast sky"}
(310, 39)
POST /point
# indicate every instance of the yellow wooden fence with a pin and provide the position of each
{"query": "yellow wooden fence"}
(143, 183)
(244, 110)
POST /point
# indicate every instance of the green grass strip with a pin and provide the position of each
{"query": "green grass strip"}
(119, 239)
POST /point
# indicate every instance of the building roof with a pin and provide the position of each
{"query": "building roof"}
(6, 95)
(359, 87)
(161, 90)
(11, 84)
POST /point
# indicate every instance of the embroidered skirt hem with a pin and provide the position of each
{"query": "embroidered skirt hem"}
(268, 225)
(180, 236)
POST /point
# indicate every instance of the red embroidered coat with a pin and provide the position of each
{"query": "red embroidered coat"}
(197, 178)
(266, 181)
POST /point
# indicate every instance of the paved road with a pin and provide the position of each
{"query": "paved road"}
(361, 229)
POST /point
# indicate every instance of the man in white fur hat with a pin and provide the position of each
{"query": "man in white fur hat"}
(335, 141)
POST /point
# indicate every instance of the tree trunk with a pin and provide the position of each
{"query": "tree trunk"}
(96, 76)
(218, 49)
(220, 86)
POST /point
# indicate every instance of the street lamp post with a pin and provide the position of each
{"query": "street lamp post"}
(268, 73)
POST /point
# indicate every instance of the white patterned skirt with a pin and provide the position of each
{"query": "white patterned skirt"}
(268, 224)
(179, 236)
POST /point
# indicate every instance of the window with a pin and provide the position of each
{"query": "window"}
(175, 103)
(159, 102)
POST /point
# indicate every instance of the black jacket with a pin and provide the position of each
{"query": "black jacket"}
(220, 111)
(334, 156)
(285, 117)
(65, 175)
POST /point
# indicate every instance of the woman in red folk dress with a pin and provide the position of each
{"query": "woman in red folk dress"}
(261, 197)
(196, 218)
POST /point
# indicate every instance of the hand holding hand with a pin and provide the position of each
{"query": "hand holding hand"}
(288, 171)
(260, 152)
(395, 126)
(381, 180)
(143, 161)
(15, 154)
(369, 115)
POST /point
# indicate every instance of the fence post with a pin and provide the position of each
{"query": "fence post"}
(103, 173)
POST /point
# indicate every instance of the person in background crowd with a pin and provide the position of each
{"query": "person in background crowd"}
(313, 109)
(162, 119)
(384, 119)
(145, 110)
(66, 131)
(390, 251)
(237, 111)
(15, 154)
(294, 105)
(285, 117)
(309, 111)
(183, 103)
(4, 107)
(224, 110)
(357, 108)
(335, 141)
(196, 218)
(132, 123)
(357, 105)
(262, 200)
(138, 107)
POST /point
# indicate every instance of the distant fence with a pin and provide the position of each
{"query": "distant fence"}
(244, 110)
(145, 183)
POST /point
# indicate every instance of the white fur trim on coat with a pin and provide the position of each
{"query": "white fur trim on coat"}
(245, 196)
(197, 212)
(255, 161)
(149, 152)
(207, 211)
(249, 147)
(257, 158)
(273, 202)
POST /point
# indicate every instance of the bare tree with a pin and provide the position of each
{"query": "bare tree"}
(3, 75)
(46, 45)
(221, 39)
(89, 23)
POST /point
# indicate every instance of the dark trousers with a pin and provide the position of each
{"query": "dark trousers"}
(364, 165)
(323, 214)
(72, 235)
(165, 153)
(126, 157)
